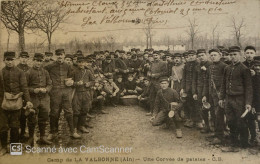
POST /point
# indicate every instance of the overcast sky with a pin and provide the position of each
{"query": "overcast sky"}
(176, 24)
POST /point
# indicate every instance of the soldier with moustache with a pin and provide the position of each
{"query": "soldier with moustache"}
(177, 71)
(237, 91)
(48, 58)
(199, 77)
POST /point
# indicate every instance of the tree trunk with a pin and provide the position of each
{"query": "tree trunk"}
(49, 35)
(21, 40)
(151, 41)
(147, 42)
(8, 40)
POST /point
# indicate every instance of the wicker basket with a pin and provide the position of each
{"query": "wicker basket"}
(129, 100)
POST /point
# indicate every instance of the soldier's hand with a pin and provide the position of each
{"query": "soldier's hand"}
(43, 90)
(181, 92)
(221, 103)
(204, 99)
(195, 97)
(114, 94)
(36, 90)
(80, 82)
(252, 72)
(248, 107)
(29, 104)
(152, 118)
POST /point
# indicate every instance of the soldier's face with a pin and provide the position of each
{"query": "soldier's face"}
(202, 57)
(156, 56)
(145, 56)
(108, 60)
(192, 57)
(235, 56)
(81, 64)
(75, 60)
(168, 58)
(146, 82)
(119, 80)
(140, 58)
(9, 62)
(130, 78)
(60, 58)
(164, 84)
(226, 57)
(68, 61)
(215, 56)
(37, 63)
(250, 55)
(257, 68)
(47, 58)
(177, 60)
(151, 59)
(110, 80)
(24, 60)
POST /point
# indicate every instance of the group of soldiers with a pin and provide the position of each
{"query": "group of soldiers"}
(212, 91)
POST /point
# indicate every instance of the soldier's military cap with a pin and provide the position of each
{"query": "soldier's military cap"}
(191, 52)
(69, 56)
(257, 60)
(167, 54)
(161, 51)
(137, 49)
(250, 48)
(150, 55)
(115, 56)
(88, 59)
(156, 52)
(214, 50)
(119, 76)
(146, 50)
(117, 51)
(122, 51)
(225, 51)
(108, 57)
(9, 55)
(48, 54)
(151, 49)
(145, 78)
(110, 76)
(185, 54)
(164, 78)
(234, 49)
(106, 51)
(96, 52)
(59, 51)
(24, 54)
(111, 53)
(81, 59)
(201, 51)
(177, 55)
(38, 56)
(101, 52)
(128, 53)
(140, 55)
(133, 56)
(79, 52)
(133, 49)
(220, 47)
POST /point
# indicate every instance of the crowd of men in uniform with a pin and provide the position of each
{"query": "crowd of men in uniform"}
(212, 91)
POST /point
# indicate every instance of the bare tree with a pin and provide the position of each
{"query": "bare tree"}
(192, 31)
(148, 32)
(213, 34)
(16, 16)
(97, 44)
(237, 29)
(110, 40)
(49, 17)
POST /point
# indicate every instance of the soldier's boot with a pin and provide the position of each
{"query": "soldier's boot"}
(206, 129)
(178, 133)
(31, 136)
(43, 139)
(83, 129)
(81, 123)
(53, 133)
(3, 138)
(75, 134)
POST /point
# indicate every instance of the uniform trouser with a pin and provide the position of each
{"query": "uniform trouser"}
(177, 86)
(22, 122)
(145, 104)
(9, 119)
(41, 105)
(98, 104)
(189, 107)
(235, 107)
(162, 117)
(213, 100)
(81, 105)
(251, 125)
(60, 99)
(154, 87)
(197, 114)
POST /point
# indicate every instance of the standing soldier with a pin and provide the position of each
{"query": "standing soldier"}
(211, 91)
(225, 56)
(23, 65)
(199, 78)
(177, 72)
(250, 53)
(236, 90)
(158, 69)
(39, 84)
(13, 83)
(187, 77)
(61, 74)
(83, 81)
(48, 58)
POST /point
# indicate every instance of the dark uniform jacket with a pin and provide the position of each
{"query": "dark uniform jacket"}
(249, 65)
(23, 67)
(187, 77)
(164, 98)
(199, 77)
(130, 85)
(58, 73)
(256, 92)
(86, 76)
(38, 78)
(159, 68)
(121, 86)
(214, 75)
(109, 67)
(120, 65)
(237, 81)
(14, 82)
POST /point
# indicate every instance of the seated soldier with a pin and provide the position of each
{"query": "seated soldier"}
(130, 85)
(120, 84)
(99, 97)
(167, 107)
(144, 97)
(111, 89)
(140, 84)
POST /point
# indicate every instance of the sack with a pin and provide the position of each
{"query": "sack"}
(12, 102)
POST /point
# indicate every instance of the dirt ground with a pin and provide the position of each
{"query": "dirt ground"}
(127, 126)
